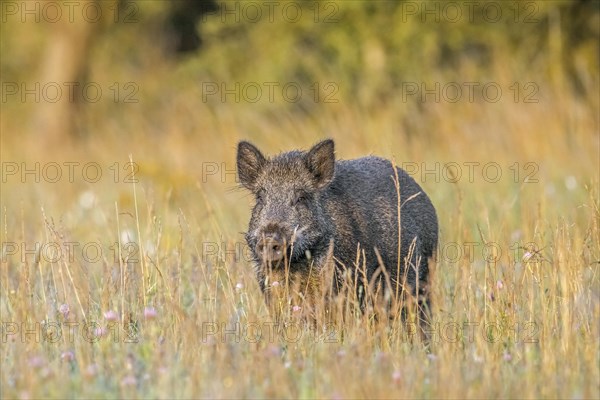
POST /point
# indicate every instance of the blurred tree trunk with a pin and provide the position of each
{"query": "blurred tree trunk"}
(64, 63)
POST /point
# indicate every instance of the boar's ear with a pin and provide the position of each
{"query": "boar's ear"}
(320, 161)
(250, 162)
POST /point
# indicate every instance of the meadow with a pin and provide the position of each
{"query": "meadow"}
(124, 270)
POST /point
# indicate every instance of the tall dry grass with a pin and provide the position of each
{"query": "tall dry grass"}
(515, 289)
(138, 284)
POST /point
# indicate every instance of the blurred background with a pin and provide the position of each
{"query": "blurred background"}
(175, 84)
(118, 130)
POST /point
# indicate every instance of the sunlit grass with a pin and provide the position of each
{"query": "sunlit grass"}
(116, 289)
(515, 289)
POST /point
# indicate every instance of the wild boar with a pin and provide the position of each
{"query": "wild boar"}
(312, 210)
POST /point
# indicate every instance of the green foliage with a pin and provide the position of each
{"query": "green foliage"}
(370, 48)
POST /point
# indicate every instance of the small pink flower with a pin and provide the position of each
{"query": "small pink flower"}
(111, 315)
(67, 356)
(381, 357)
(129, 380)
(296, 308)
(527, 256)
(506, 356)
(91, 370)
(341, 353)
(500, 285)
(396, 376)
(275, 284)
(100, 331)
(273, 350)
(150, 313)
(239, 286)
(64, 309)
(36, 362)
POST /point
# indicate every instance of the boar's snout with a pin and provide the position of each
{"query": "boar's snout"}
(270, 249)
(271, 245)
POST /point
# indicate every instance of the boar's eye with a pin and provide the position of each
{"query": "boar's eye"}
(300, 198)
(260, 196)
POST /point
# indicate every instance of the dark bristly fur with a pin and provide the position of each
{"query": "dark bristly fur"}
(307, 200)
